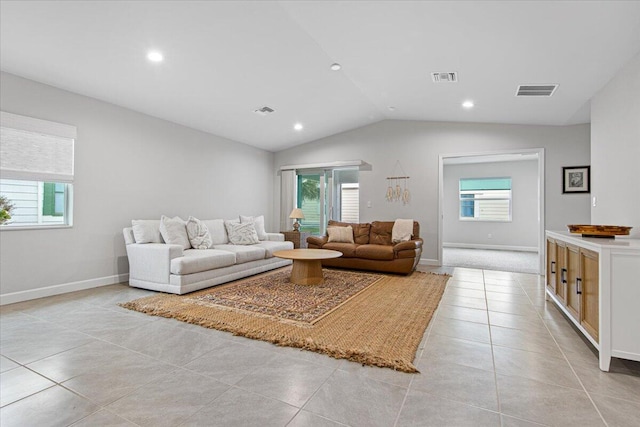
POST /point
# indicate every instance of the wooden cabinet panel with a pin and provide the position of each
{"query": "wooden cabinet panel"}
(561, 282)
(572, 277)
(551, 264)
(590, 288)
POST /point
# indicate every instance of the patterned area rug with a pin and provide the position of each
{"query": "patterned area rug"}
(274, 295)
(372, 319)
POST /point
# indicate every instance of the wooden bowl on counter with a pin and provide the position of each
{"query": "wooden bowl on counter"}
(609, 231)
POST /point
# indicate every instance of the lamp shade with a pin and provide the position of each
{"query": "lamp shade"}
(297, 214)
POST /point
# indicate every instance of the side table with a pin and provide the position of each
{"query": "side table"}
(299, 238)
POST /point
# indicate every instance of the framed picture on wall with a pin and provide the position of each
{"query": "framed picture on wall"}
(576, 179)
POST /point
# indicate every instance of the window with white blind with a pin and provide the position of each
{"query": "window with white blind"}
(36, 171)
(485, 199)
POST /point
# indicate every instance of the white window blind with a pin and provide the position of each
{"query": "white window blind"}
(35, 150)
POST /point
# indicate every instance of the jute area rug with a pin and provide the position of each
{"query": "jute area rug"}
(373, 319)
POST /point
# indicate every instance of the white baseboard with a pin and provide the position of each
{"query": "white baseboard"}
(429, 262)
(493, 247)
(64, 288)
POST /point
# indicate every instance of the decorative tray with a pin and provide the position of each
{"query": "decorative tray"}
(599, 230)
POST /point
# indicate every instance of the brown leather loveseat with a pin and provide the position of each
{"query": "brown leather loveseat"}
(372, 248)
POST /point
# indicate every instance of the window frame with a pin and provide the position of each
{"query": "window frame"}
(30, 145)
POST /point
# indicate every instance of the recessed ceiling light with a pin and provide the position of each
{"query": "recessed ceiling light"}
(335, 66)
(154, 56)
(467, 104)
(391, 108)
(298, 126)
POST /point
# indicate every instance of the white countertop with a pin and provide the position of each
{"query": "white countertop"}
(620, 242)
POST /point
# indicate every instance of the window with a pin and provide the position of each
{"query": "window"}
(350, 202)
(36, 167)
(485, 199)
(308, 199)
(326, 194)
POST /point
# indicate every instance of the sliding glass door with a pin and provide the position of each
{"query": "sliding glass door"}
(327, 194)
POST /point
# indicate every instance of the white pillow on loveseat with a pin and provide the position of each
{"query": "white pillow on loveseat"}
(198, 234)
(174, 231)
(146, 230)
(217, 231)
(241, 233)
(258, 223)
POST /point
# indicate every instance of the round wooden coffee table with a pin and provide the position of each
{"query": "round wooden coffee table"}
(307, 265)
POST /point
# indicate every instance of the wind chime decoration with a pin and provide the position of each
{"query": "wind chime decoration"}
(396, 192)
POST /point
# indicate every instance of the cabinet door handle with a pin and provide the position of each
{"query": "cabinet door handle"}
(563, 274)
(579, 286)
(553, 269)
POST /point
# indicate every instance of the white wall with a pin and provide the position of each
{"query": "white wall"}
(127, 166)
(418, 145)
(521, 232)
(615, 150)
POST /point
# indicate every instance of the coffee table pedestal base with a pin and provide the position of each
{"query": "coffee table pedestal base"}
(307, 265)
(307, 272)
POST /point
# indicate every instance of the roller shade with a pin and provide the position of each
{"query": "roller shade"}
(36, 150)
(475, 184)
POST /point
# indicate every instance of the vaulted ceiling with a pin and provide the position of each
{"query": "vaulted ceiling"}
(223, 60)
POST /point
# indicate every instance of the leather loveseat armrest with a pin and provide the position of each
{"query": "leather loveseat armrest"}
(316, 242)
(409, 245)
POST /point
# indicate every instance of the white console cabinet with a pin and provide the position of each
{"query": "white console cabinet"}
(596, 283)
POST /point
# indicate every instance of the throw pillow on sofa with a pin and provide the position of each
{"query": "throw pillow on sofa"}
(241, 233)
(258, 223)
(198, 233)
(174, 231)
(146, 230)
(217, 231)
(340, 234)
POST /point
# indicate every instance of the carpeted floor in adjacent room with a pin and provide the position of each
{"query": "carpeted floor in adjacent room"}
(487, 259)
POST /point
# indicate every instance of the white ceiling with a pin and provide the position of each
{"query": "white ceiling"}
(225, 59)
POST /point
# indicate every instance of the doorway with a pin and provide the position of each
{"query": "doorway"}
(487, 165)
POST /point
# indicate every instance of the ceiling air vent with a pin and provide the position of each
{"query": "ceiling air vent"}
(444, 77)
(536, 90)
(264, 111)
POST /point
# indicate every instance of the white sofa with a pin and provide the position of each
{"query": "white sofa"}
(172, 268)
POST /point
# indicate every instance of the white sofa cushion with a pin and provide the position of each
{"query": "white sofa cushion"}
(275, 237)
(272, 247)
(198, 233)
(244, 253)
(146, 230)
(217, 231)
(174, 231)
(197, 260)
(241, 234)
(258, 223)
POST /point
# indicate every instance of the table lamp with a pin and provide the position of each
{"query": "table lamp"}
(296, 214)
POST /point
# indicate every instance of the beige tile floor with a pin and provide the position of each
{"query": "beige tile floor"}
(495, 354)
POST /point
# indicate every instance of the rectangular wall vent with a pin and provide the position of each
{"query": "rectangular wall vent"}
(451, 77)
(264, 111)
(536, 90)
